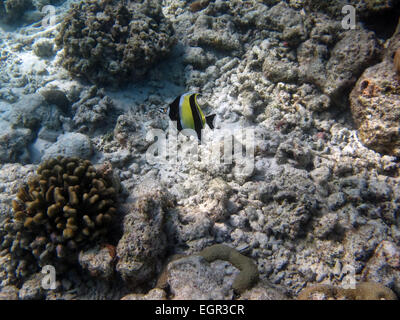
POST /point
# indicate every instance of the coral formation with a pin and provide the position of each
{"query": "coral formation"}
(362, 291)
(109, 42)
(66, 207)
(248, 275)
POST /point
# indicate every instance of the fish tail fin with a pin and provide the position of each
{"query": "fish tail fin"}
(210, 120)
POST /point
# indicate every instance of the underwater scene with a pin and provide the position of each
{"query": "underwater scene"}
(199, 150)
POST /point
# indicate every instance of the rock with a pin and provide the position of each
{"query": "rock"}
(58, 98)
(336, 200)
(384, 266)
(264, 291)
(279, 70)
(70, 145)
(336, 71)
(326, 225)
(375, 105)
(363, 8)
(32, 288)
(142, 246)
(14, 143)
(153, 294)
(192, 278)
(9, 293)
(287, 21)
(197, 57)
(92, 109)
(98, 261)
(218, 33)
(349, 58)
(43, 48)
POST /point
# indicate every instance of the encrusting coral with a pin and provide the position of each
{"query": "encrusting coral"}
(248, 275)
(362, 291)
(109, 42)
(66, 207)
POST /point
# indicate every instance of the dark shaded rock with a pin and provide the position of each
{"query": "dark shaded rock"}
(58, 98)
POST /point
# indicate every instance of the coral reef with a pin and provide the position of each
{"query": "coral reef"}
(154, 294)
(362, 291)
(248, 275)
(317, 206)
(109, 42)
(68, 205)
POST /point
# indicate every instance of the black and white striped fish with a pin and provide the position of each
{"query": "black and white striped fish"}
(187, 113)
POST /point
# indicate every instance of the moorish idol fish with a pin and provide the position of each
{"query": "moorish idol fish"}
(187, 113)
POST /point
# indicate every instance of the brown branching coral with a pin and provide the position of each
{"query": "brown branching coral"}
(66, 207)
